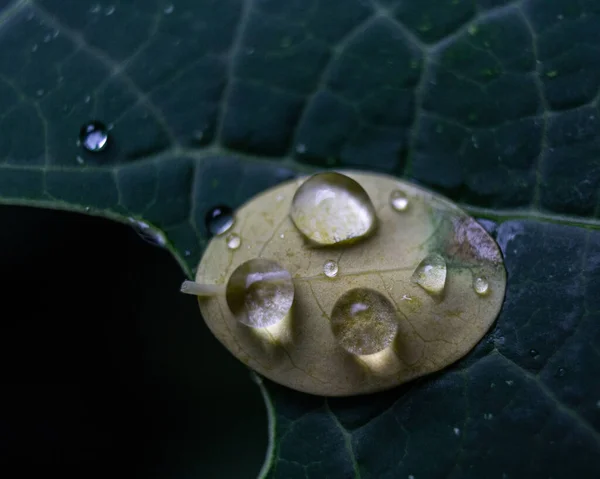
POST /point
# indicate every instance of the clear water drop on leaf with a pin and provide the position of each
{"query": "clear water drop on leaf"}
(331, 208)
(398, 200)
(330, 268)
(219, 220)
(364, 321)
(93, 136)
(233, 241)
(431, 274)
(147, 233)
(260, 293)
(534, 353)
(481, 285)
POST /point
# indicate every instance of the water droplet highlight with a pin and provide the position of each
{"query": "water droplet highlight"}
(534, 353)
(398, 200)
(431, 274)
(561, 372)
(481, 285)
(330, 268)
(219, 220)
(260, 293)
(147, 233)
(331, 208)
(93, 136)
(233, 241)
(364, 321)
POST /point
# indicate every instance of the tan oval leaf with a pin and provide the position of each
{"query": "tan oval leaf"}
(434, 330)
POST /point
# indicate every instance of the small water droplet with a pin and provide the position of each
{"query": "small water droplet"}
(233, 241)
(509, 382)
(331, 208)
(198, 135)
(561, 372)
(534, 353)
(431, 274)
(147, 233)
(398, 200)
(456, 431)
(34, 48)
(187, 253)
(219, 220)
(260, 293)
(330, 268)
(488, 416)
(300, 148)
(282, 236)
(364, 321)
(79, 160)
(169, 9)
(109, 10)
(481, 285)
(279, 198)
(93, 136)
(88, 209)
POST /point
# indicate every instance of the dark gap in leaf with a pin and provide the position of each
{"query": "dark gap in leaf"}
(106, 366)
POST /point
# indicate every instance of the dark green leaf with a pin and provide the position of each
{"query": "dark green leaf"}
(492, 102)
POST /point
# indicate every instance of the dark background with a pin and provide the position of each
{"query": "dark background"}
(106, 369)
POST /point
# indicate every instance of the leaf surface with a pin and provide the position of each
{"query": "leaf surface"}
(491, 102)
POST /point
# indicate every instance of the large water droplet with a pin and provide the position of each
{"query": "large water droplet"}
(331, 208)
(260, 293)
(398, 200)
(93, 136)
(364, 321)
(219, 220)
(481, 285)
(233, 241)
(330, 268)
(431, 274)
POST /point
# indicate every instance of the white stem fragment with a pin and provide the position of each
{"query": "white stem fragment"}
(197, 289)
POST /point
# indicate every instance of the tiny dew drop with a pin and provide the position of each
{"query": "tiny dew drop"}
(431, 274)
(534, 353)
(364, 321)
(260, 293)
(481, 285)
(331, 208)
(330, 268)
(398, 200)
(233, 241)
(219, 220)
(561, 372)
(93, 136)
(147, 233)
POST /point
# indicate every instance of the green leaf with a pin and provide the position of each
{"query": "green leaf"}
(491, 102)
